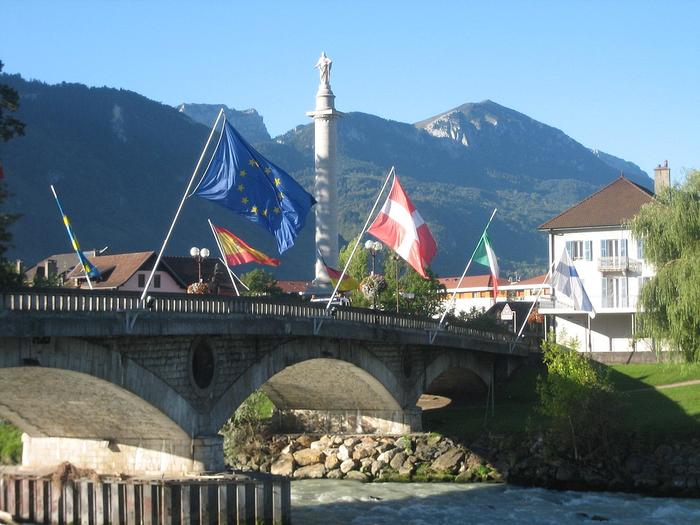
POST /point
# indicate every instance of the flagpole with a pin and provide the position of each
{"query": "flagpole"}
(179, 208)
(466, 269)
(359, 238)
(63, 214)
(240, 281)
(532, 306)
(216, 238)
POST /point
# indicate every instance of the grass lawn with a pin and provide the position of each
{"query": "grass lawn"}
(674, 411)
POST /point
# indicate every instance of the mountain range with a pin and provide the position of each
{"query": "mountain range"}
(120, 163)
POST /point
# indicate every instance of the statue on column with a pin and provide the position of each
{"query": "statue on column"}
(324, 69)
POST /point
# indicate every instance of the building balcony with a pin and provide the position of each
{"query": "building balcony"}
(621, 264)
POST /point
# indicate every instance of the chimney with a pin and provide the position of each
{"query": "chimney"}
(662, 177)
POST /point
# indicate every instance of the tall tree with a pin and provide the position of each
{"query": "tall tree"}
(670, 302)
(260, 282)
(9, 127)
(416, 295)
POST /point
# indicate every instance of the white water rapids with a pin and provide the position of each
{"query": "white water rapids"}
(335, 502)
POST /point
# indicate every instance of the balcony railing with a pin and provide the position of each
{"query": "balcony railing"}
(619, 264)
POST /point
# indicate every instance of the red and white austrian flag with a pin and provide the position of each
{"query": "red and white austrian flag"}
(400, 226)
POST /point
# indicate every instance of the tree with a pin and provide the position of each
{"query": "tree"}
(260, 282)
(577, 396)
(357, 270)
(670, 302)
(9, 128)
(416, 295)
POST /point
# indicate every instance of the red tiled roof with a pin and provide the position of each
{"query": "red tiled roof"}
(533, 280)
(612, 205)
(470, 281)
(293, 286)
(118, 268)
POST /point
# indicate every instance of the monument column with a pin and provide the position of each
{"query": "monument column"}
(325, 186)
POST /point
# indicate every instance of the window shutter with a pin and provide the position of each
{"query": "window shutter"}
(588, 250)
(603, 248)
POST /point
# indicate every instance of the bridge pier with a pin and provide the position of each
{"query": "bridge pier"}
(127, 456)
(391, 422)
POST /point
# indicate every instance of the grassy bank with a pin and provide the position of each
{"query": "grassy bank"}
(665, 411)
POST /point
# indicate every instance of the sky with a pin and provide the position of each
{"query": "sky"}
(619, 76)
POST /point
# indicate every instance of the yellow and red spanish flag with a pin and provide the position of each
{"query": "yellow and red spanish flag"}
(348, 284)
(237, 251)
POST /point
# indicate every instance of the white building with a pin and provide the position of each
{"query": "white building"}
(609, 261)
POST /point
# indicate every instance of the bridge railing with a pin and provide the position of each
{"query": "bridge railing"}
(74, 300)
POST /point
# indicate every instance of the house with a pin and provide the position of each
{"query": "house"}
(129, 272)
(609, 261)
(475, 294)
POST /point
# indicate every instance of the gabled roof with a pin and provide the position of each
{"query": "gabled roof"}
(65, 262)
(116, 269)
(612, 205)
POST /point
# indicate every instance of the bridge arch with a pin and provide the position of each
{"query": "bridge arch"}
(477, 368)
(76, 389)
(319, 375)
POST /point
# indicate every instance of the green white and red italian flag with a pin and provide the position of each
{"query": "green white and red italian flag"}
(485, 255)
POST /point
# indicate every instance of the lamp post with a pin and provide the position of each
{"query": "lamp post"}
(199, 254)
(373, 247)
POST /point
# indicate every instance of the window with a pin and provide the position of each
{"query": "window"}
(613, 248)
(580, 250)
(640, 249)
(141, 280)
(614, 292)
(156, 281)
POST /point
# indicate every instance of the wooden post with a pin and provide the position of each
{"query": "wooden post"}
(281, 502)
(222, 517)
(2, 493)
(204, 510)
(10, 503)
(98, 494)
(147, 504)
(166, 505)
(24, 498)
(130, 503)
(185, 513)
(263, 501)
(55, 495)
(114, 503)
(85, 502)
(39, 501)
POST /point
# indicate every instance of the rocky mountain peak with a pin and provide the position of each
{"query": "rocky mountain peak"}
(248, 122)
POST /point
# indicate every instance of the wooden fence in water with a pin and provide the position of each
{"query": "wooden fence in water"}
(232, 499)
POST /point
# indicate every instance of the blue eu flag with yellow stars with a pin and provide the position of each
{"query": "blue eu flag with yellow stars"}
(242, 180)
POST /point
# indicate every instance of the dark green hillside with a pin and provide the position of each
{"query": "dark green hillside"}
(120, 163)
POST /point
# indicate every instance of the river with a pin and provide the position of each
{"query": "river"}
(334, 502)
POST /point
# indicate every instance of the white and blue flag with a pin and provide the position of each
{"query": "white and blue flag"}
(565, 279)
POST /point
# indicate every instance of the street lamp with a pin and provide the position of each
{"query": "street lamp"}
(373, 247)
(199, 254)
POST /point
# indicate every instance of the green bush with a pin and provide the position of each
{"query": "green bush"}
(10, 444)
(577, 397)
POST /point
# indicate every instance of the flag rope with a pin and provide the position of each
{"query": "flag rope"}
(179, 208)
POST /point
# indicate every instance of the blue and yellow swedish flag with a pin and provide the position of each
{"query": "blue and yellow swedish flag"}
(242, 180)
(89, 268)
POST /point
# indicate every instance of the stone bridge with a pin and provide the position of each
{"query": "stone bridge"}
(109, 382)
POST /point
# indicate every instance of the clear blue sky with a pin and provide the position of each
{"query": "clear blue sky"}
(620, 76)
